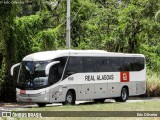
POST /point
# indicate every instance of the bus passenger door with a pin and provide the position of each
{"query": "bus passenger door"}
(54, 77)
(56, 94)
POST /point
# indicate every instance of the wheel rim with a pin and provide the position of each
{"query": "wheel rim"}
(124, 95)
(69, 99)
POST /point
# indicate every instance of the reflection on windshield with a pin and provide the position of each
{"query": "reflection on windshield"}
(32, 75)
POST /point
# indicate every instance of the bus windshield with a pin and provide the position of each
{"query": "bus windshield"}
(32, 75)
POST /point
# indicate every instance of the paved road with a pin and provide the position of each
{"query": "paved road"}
(13, 107)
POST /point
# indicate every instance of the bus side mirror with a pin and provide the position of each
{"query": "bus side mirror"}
(49, 66)
(12, 68)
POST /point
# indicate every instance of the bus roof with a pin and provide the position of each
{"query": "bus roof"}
(49, 55)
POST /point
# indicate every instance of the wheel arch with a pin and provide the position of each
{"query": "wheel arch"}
(125, 86)
(73, 92)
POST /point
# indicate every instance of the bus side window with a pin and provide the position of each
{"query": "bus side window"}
(53, 75)
(89, 64)
(126, 64)
(141, 63)
(138, 64)
(133, 64)
(102, 64)
(61, 65)
(74, 66)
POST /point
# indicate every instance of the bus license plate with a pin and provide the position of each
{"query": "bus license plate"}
(22, 91)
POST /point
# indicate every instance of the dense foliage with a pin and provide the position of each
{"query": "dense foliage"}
(127, 26)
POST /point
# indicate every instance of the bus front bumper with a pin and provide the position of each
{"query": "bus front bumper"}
(33, 98)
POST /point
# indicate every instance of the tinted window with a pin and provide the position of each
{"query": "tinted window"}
(133, 64)
(56, 70)
(61, 65)
(89, 64)
(101, 64)
(126, 64)
(109, 64)
(54, 75)
(104, 64)
(74, 65)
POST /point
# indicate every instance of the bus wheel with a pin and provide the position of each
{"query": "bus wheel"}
(99, 100)
(41, 104)
(70, 100)
(123, 97)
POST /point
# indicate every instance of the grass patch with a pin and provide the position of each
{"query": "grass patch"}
(153, 84)
(136, 106)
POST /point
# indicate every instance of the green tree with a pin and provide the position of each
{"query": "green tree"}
(7, 48)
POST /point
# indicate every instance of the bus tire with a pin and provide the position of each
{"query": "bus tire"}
(41, 104)
(99, 100)
(70, 99)
(124, 95)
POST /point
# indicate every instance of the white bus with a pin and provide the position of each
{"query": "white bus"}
(67, 76)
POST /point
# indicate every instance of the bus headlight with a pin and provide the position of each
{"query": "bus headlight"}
(42, 92)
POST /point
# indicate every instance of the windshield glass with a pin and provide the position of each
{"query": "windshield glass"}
(32, 75)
